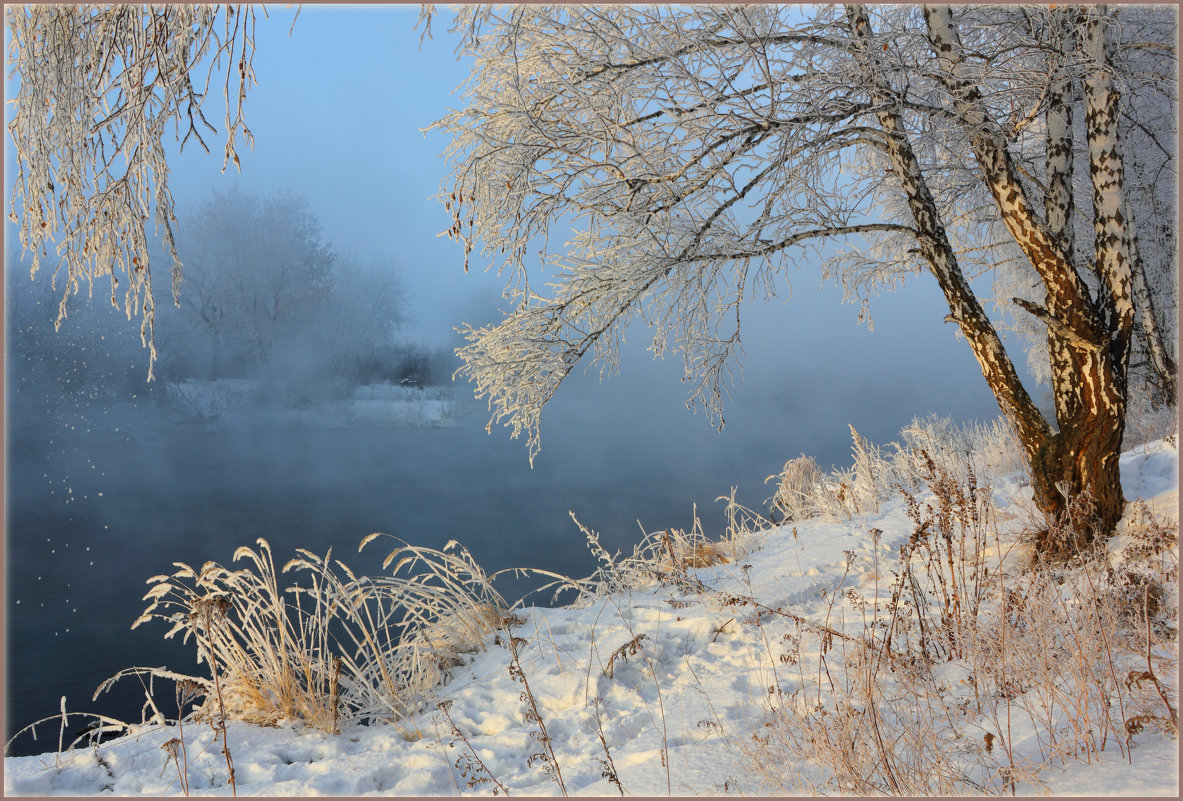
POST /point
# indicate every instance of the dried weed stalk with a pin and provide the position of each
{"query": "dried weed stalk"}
(967, 646)
(532, 717)
(472, 768)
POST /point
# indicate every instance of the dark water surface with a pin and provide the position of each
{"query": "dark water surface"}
(90, 520)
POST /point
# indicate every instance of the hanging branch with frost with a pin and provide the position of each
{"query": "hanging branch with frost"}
(98, 89)
(695, 154)
(674, 230)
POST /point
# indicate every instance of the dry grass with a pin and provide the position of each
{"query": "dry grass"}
(971, 670)
(338, 647)
(803, 490)
(974, 671)
(664, 556)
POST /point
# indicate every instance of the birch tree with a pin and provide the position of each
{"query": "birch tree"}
(695, 154)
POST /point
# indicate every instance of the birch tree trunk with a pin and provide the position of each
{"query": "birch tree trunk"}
(1089, 338)
(964, 308)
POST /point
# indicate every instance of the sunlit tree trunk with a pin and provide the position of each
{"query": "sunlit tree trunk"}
(1089, 338)
(964, 308)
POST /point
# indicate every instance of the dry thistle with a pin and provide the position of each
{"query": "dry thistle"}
(170, 747)
(622, 653)
(470, 765)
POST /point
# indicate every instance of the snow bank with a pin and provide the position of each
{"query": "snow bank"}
(240, 402)
(674, 713)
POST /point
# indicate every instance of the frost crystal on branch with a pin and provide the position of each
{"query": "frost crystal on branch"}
(99, 86)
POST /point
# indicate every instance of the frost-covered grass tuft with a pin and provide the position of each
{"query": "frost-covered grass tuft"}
(664, 556)
(877, 473)
(337, 647)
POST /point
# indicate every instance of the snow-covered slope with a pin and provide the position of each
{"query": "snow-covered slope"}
(656, 690)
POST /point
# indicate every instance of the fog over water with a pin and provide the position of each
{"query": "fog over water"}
(110, 480)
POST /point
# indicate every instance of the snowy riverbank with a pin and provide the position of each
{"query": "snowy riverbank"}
(669, 686)
(236, 403)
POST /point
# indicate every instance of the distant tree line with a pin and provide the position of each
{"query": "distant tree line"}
(264, 298)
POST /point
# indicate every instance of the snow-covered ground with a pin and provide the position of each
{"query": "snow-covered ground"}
(235, 402)
(674, 713)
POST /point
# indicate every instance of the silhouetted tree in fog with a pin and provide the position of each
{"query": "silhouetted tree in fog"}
(265, 297)
(256, 272)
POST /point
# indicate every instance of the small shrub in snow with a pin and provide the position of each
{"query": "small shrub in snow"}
(948, 544)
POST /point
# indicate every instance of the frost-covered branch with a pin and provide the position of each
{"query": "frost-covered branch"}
(695, 154)
(689, 151)
(98, 88)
